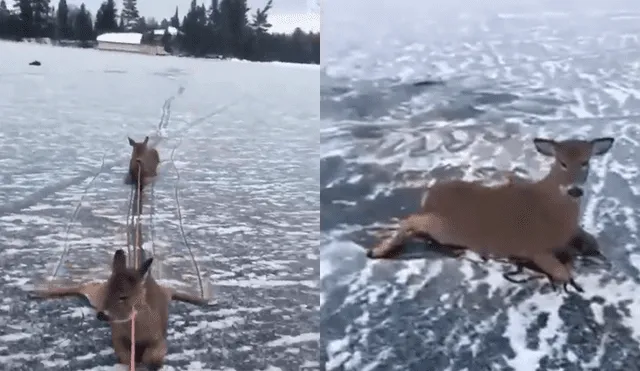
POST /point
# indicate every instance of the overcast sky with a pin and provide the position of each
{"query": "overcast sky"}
(285, 15)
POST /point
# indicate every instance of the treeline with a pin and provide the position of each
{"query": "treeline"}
(226, 28)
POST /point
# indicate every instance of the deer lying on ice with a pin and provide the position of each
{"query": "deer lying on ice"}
(582, 244)
(115, 300)
(526, 222)
(145, 157)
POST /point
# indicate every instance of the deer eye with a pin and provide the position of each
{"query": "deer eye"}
(564, 165)
(122, 298)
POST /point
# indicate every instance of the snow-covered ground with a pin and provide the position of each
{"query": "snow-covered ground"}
(237, 143)
(513, 71)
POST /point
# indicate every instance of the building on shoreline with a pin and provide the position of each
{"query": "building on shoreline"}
(134, 42)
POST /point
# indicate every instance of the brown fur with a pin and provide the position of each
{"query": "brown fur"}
(142, 155)
(529, 221)
(582, 244)
(114, 299)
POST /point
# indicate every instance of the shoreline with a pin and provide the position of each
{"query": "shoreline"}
(77, 44)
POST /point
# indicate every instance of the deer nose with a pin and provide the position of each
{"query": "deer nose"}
(101, 316)
(575, 192)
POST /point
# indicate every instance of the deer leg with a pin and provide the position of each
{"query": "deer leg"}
(456, 251)
(123, 352)
(508, 275)
(572, 282)
(553, 268)
(520, 269)
(187, 298)
(416, 224)
(58, 292)
(153, 356)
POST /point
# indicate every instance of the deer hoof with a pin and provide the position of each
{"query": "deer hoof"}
(509, 277)
(370, 254)
(573, 284)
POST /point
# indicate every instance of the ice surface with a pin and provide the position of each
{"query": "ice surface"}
(512, 71)
(244, 145)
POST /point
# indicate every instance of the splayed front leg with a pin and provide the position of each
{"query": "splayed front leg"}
(519, 269)
(122, 350)
(558, 272)
(413, 225)
(153, 356)
(92, 291)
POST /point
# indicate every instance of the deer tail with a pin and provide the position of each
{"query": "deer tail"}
(187, 298)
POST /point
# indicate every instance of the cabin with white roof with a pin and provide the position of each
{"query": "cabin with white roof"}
(121, 41)
(127, 42)
(132, 42)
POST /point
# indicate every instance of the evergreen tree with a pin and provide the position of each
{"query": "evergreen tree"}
(25, 12)
(41, 10)
(213, 43)
(106, 17)
(62, 21)
(164, 24)
(4, 20)
(139, 26)
(259, 27)
(152, 23)
(175, 20)
(214, 14)
(193, 25)
(82, 26)
(259, 23)
(130, 14)
(233, 25)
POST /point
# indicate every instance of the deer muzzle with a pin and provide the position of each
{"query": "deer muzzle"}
(101, 316)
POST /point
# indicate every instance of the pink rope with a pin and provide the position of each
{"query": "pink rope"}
(132, 367)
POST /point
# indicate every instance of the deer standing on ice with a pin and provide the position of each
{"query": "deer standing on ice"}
(524, 221)
(145, 157)
(128, 290)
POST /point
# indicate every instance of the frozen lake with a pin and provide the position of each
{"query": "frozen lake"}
(243, 177)
(512, 71)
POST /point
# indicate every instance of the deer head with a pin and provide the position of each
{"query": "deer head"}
(125, 288)
(571, 167)
(138, 148)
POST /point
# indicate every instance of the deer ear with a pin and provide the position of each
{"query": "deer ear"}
(546, 147)
(131, 142)
(144, 268)
(146, 139)
(601, 146)
(119, 260)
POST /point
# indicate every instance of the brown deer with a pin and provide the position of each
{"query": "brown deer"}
(142, 158)
(525, 221)
(115, 300)
(582, 244)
